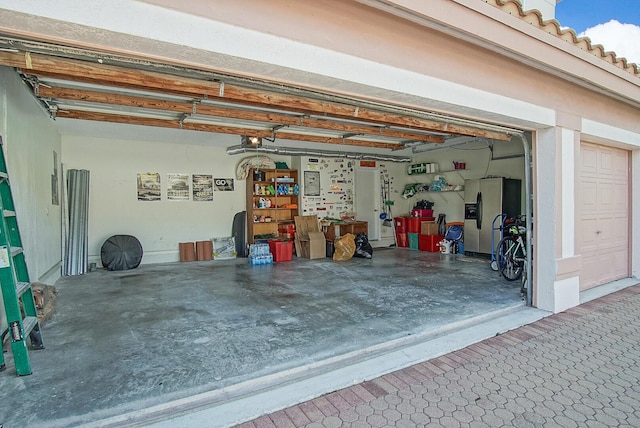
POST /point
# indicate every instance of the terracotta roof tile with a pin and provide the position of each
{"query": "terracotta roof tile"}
(534, 17)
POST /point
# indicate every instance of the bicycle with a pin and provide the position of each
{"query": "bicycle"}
(511, 253)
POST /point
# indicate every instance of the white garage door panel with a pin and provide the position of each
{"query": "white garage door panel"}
(603, 238)
(621, 197)
(619, 230)
(591, 267)
(589, 196)
(589, 160)
(588, 235)
(620, 166)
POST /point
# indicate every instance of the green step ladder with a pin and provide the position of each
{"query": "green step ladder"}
(19, 306)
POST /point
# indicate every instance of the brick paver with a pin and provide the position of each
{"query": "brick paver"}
(577, 368)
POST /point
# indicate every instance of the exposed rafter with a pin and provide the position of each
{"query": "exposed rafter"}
(180, 124)
(112, 93)
(197, 107)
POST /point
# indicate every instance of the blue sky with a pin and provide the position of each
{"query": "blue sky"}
(583, 14)
(614, 24)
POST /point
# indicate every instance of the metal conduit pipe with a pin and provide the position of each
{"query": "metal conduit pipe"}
(289, 151)
(528, 212)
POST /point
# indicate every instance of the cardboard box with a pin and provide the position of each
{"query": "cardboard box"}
(310, 241)
(428, 228)
(224, 248)
(313, 246)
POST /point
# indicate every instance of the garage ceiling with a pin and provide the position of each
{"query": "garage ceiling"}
(97, 87)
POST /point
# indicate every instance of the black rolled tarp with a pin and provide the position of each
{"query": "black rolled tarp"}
(121, 252)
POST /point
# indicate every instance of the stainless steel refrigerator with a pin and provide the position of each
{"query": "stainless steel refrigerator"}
(484, 199)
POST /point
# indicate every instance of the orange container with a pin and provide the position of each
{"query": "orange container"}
(282, 250)
(187, 251)
(204, 250)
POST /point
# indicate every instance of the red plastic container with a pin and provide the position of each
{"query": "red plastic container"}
(429, 242)
(413, 225)
(421, 212)
(282, 250)
(402, 239)
(401, 224)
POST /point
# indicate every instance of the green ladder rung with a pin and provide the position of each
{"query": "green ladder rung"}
(28, 323)
(19, 304)
(21, 287)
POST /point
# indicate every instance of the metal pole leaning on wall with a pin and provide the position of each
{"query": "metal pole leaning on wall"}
(76, 256)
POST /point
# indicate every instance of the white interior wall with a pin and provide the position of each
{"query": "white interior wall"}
(479, 164)
(29, 142)
(159, 225)
(336, 176)
(30, 139)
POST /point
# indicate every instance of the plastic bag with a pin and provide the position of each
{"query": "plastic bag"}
(344, 248)
(363, 247)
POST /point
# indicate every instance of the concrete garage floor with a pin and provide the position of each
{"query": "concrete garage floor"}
(154, 336)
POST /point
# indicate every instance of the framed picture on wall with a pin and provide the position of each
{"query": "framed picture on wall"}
(312, 183)
(202, 187)
(148, 186)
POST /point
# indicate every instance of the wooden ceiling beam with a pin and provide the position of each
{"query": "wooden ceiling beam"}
(109, 75)
(333, 140)
(176, 124)
(269, 118)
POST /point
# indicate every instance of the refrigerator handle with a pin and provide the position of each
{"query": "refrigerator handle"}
(479, 210)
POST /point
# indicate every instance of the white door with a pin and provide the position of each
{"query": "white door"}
(367, 197)
(603, 210)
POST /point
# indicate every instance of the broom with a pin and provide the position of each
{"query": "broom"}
(388, 221)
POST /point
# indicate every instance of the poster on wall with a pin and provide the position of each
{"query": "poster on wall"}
(224, 184)
(312, 183)
(148, 186)
(202, 187)
(177, 187)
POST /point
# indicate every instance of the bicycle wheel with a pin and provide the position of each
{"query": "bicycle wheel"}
(509, 257)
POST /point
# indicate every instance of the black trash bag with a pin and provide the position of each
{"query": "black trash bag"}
(363, 247)
(121, 252)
